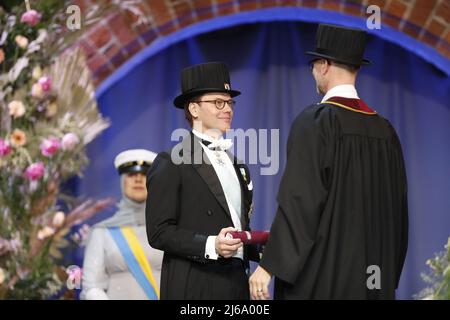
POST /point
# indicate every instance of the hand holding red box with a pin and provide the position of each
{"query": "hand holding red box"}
(250, 237)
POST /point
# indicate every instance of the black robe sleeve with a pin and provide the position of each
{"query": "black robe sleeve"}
(402, 223)
(302, 195)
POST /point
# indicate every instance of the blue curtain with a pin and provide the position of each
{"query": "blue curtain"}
(268, 65)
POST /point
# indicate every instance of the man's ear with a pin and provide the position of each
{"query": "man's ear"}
(193, 109)
(325, 67)
(328, 66)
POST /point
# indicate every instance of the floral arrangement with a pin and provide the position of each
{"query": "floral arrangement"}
(48, 115)
(438, 278)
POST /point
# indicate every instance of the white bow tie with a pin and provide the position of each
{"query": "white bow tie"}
(221, 144)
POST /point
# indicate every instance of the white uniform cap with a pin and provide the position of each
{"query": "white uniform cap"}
(134, 160)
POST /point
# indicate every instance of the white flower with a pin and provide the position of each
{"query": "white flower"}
(2, 276)
(14, 73)
(45, 232)
(58, 219)
(21, 41)
(37, 73)
(69, 141)
(36, 91)
(16, 108)
(35, 45)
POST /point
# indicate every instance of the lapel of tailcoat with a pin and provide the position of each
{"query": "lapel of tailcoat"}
(193, 149)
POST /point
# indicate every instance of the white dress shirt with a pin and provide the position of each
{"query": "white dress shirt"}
(343, 90)
(223, 166)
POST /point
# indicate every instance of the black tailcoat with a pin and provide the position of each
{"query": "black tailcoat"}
(185, 205)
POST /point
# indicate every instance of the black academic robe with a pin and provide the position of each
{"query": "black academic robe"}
(185, 205)
(342, 207)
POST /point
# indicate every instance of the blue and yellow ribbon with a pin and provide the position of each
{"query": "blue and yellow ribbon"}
(136, 260)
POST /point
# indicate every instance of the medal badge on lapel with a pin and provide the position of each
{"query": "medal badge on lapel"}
(250, 211)
(248, 183)
(244, 175)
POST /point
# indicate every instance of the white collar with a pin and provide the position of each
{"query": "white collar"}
(220, 144)
(203, 136)
(343, 90)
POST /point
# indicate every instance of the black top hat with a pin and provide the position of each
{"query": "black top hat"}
(340, 44)
(203, 78)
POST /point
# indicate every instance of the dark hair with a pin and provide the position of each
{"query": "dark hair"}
(187, 114)
(348, 67)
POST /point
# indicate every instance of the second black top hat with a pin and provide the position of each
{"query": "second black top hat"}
(341, 44)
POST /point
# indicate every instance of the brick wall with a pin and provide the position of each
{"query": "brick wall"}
(118, 37)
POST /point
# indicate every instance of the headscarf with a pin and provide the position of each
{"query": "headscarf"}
(129, 213)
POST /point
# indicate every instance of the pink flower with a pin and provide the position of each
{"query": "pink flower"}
(35, 171)
(69, 141)
(50, 146)
(31, 17)
(75, 274)
(46, 83)
(5, 148)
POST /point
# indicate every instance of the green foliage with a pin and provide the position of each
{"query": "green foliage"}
(48, 114)
(438, 278)
(47, 117)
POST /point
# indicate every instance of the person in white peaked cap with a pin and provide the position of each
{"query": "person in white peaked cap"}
(119, 263)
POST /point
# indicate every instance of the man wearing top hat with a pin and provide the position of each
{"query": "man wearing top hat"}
(341, 228)
(199, 193)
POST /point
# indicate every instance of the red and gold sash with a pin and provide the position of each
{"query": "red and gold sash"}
(356, 105)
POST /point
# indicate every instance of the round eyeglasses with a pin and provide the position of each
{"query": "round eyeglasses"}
(220, 103)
